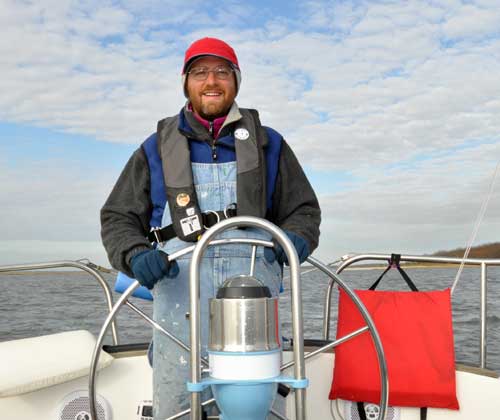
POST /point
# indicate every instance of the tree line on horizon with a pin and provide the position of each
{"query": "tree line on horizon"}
(489, 250)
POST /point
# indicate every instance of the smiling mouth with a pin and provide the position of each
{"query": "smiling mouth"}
(212, 94)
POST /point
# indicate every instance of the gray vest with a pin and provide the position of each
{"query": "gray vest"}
(249, 138)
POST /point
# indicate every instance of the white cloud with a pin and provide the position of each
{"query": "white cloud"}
(426, 207)
(472, 21)
(401, 96)
(53, 200)
(389, 61)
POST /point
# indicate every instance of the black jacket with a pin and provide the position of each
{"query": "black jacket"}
(127, 212)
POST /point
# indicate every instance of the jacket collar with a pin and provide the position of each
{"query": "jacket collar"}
(190, 123)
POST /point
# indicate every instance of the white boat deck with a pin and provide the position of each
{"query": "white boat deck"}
(126, 382)
(46, 378)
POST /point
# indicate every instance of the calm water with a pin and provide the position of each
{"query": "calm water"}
(44, 303)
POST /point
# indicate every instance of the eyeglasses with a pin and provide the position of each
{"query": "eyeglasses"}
(201, 73)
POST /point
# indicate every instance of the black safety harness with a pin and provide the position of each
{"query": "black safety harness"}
(188, 222)
(209, 219)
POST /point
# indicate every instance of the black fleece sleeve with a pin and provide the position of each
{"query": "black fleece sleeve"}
(126, 214)
(295, 206)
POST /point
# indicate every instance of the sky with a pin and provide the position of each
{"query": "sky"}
(391, 107)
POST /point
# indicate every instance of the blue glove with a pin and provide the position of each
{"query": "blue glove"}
(151, 265)
(277, 253)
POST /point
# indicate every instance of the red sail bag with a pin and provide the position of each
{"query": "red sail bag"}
(416, 331)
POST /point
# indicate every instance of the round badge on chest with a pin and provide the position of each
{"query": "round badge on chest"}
(241, 134)
(183, 199)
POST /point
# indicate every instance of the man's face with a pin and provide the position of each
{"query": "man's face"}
(211, 98)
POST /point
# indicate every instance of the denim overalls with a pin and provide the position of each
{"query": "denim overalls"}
(216, 188)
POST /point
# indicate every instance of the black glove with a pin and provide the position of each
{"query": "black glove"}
(151, 265)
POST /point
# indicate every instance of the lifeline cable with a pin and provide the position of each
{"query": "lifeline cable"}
(313, 269)
(479, 219)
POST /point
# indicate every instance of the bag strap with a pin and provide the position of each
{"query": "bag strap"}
(394, 263)
(362, 412)
(423, 413)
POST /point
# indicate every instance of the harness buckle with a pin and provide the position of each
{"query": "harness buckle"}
(230, 206)
(157, 234)
(216, 215)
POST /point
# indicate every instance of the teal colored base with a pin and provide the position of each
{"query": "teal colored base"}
(206, 382)
(244, 402)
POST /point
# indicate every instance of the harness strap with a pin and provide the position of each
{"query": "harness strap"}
(362, 412)
(209, 218)
(394, 263)
(423, 413)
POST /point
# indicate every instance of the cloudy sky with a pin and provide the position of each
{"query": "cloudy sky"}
(392, 107)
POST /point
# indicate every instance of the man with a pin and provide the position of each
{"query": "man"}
(212, 160)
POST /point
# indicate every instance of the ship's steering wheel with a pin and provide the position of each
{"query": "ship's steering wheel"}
(283, 240)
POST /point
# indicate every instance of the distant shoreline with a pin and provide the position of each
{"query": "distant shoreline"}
(412, 265)
(484, 251)
(42, 272)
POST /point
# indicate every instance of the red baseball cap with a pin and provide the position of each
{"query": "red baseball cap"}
(209, 46)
